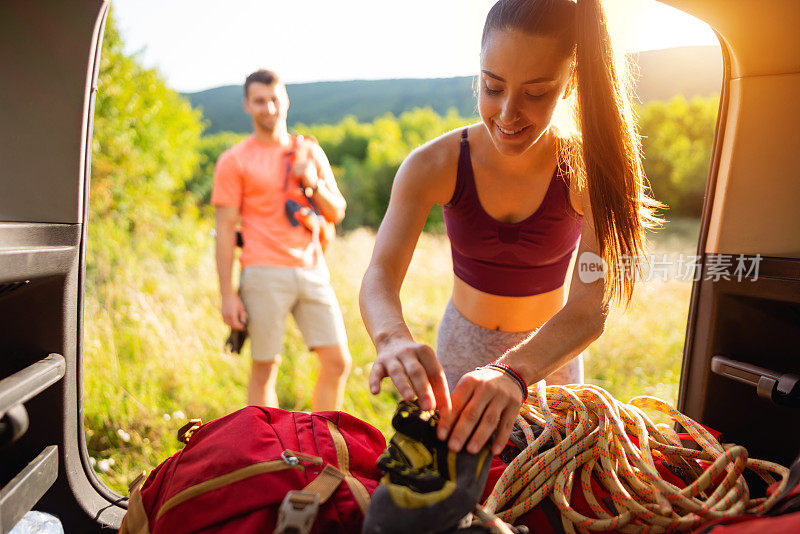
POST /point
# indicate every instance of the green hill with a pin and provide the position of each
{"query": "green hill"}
(329, 102)
(694, 70)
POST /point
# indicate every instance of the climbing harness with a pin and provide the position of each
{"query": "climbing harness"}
(594, 437)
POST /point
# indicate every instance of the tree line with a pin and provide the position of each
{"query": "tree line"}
(152, 167)
(676, 140)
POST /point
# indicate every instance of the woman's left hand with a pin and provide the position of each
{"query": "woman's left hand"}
(486, 401)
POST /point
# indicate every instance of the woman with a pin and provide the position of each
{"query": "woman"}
(518, 198)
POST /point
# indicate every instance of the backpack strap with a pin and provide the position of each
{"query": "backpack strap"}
(290, 157)
(298, 142)
(343, 459)
(299, 508)
(135, 520)
(325, 483)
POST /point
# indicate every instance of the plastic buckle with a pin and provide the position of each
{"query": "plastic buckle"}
(297, 513)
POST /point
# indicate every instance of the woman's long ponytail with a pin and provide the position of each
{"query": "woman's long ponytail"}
(607, 156)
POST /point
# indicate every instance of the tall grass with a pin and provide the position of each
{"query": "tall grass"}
(153, 342)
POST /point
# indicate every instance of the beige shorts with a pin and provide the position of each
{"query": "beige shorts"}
(270, 293)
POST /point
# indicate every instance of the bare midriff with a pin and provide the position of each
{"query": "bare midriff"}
(508, 314)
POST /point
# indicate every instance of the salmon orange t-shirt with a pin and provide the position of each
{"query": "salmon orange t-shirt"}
(251, 176)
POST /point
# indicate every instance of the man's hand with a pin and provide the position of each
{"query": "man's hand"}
(484, 401)
(304, 166)
(233, 312)
(415, 372)
(307, 172)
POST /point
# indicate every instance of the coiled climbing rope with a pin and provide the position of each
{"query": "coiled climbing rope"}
(592, 435)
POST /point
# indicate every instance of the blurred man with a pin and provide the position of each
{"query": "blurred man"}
(283, 269)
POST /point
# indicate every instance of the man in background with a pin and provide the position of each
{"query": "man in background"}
(283, 269)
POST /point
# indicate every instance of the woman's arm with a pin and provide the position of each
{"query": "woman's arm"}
(420, 183)
(484, 397)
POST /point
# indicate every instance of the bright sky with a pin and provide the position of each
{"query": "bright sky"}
(199, 44)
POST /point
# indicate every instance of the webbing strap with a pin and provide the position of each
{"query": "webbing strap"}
(227, 478)
(343, 458)
(135, 520)
(299, 509)
(298, 146)
(290, 158)
(325, 483)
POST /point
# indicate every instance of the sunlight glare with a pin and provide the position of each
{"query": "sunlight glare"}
(647, 25)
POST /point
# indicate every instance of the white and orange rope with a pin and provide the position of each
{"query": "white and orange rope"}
(591, 430)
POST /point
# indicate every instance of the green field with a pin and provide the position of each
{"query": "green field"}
(153, 343)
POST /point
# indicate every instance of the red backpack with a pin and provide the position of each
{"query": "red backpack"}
(262, 470)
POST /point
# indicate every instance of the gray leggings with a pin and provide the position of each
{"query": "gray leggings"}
(462, 346)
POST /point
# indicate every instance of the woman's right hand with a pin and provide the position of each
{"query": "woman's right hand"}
(415, 372)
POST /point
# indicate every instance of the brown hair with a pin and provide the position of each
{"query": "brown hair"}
(605, 156)
(267, 77)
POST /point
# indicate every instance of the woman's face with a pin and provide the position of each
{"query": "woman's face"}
(523, 77)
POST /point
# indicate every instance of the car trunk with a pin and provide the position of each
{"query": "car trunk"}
(741, 364)
(49, 56)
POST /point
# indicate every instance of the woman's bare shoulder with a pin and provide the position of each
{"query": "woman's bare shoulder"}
(433, 166)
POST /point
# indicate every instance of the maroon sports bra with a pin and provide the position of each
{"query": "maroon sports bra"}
(510, 259)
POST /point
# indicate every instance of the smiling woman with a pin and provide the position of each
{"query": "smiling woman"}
(519, 196)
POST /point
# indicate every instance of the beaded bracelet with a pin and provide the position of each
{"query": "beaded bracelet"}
(515, 375)
(510, 372)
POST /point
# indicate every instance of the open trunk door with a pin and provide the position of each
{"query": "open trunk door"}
(49, 56)
(741, 361)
